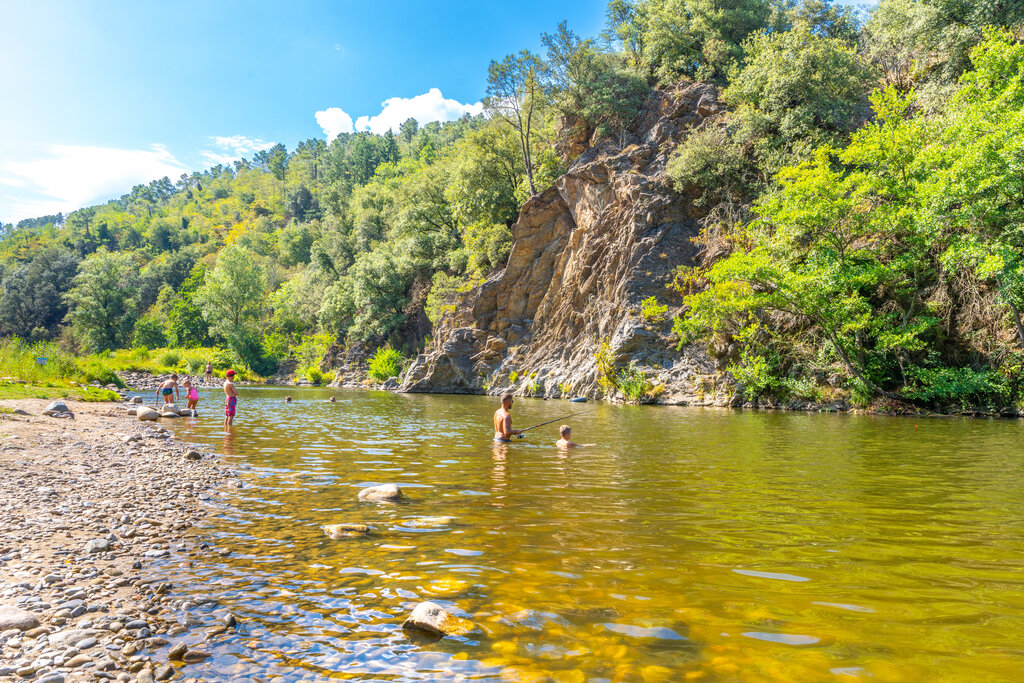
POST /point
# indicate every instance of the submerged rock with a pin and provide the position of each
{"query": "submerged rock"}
(431, 618)
(345, 530)
(14, 618)
(427, 522)
(382, 493)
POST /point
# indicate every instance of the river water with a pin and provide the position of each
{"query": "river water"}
(690, 544)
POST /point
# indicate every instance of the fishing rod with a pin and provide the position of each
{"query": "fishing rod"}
(564, 417)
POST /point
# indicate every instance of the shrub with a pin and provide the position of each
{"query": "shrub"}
(170, 359)
(385, 363)
(313, 373)
(633, 383)
(607, 378)
(652, 311)
(195, 365)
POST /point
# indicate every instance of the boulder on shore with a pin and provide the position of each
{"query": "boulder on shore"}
(14, 618)
(137, 400)
(56, 408)
(337, 531)
(429, 617)
(385, 493)
(146, 413)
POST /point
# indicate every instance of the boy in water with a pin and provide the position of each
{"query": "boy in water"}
(231, 402)
(565, 431)
(168, 388)
(503, 431)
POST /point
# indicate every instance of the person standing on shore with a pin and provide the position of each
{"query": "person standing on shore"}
(231, 398)
(209, 373)
(503, 431)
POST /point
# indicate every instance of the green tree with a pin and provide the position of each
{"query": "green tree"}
(515, 94)
(103, 303)
(698, 38)
(233, 300)
(797, 89)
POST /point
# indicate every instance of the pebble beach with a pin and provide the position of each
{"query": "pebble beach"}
(91, 508)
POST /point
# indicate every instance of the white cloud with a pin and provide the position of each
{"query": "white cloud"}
(430, 106)
(232, 148)
(334, 121)
(72, 176)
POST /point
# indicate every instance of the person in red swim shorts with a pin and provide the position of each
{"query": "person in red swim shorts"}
(231, 402)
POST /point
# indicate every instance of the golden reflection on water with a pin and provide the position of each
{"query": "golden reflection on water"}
(689, 545)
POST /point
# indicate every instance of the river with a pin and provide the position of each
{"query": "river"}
(690, 544)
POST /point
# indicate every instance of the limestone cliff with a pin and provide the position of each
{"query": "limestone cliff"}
(585, 253)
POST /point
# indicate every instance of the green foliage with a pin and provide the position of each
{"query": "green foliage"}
(697, 38)
(926, 45)
(385, 363)
(716, 164)
(633, 383)
(963, 386)
(313, 373)
(799, 88)
(233, 298)
(862, 249)
(149, 333)
(103, 303)
(651, 311)
(19, 360)
(607, 376)
(599, 91)
(169, 359)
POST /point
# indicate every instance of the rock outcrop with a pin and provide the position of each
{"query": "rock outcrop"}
(585, 253)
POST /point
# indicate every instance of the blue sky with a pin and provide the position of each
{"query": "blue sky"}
(98, 96)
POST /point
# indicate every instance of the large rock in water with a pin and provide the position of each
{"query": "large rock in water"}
(585, 253)
(431, 618)
(146, 413)
(384, 493)
(14, 618)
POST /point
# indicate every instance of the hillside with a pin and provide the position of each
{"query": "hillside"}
(755, 202)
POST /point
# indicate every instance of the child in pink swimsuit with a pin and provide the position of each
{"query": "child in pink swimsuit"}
(193, 395)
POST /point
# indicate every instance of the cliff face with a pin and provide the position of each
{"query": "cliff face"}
(585, 253)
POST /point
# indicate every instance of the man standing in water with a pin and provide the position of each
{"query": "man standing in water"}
(503, 431)
(231, 400)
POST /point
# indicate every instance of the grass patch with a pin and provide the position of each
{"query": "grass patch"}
(15, 391)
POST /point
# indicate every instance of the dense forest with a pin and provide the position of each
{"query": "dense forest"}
(865, 196)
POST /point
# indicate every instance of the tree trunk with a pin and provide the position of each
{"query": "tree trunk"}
(1016, 321)
(524, 143)
(856, 373)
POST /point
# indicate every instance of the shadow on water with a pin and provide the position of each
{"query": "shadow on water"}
(715, 544)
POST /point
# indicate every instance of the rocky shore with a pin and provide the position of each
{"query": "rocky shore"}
(91, 508)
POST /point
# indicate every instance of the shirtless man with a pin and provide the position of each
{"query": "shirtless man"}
(503, 431)
(231, 400)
